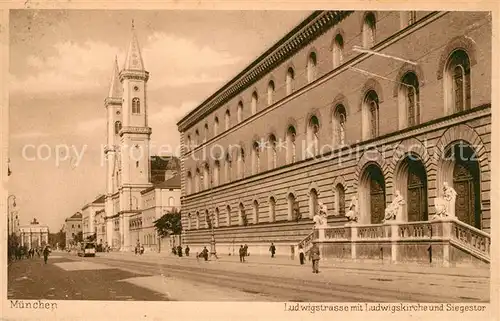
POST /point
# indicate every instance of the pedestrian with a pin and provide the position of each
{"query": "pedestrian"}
(301, 254)
(314, 257)
(179, 250)
(142, 249)
(272, 249)
(246, 250)
(242, 254)
(205, 253)
(187, 250)
(46, 252)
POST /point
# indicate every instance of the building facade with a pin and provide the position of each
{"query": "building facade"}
(89, 220)
(34, 235)
(73, 226)
(349, 104)
(137, 184)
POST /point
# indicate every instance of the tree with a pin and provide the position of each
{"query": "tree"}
(169, 224)
(78, 237)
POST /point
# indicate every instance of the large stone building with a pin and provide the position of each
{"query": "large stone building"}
(89, 220)
(72, 226)
(139, 188)
(348, 104)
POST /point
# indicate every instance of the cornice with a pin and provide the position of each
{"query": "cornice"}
(317, 23)
(134, 74)
(112, 101)
(135, 130)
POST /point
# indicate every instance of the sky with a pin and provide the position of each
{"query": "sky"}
(61, 63)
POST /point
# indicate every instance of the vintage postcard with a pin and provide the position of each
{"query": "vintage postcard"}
(179, 161)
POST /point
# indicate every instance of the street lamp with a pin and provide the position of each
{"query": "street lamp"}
(10, 219)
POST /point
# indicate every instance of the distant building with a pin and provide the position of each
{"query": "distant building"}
(72, 226)
(34, 234)
(88, 216)
(100, 227)
(139, 188)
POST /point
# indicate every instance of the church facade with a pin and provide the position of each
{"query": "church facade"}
(136, 182)
(347, 105)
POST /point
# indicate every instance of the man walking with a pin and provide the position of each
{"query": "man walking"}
(46, 252)
(301, 254)
(242, 254)
(314, 257)
(272, 249)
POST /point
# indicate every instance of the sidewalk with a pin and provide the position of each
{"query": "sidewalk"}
(326, 264)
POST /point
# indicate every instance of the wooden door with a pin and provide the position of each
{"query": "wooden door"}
(466, 185)
(377, 198)
(417, 193)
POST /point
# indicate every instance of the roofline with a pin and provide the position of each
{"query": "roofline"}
(261, 58)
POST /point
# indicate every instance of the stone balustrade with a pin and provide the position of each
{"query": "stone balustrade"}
(443, 242)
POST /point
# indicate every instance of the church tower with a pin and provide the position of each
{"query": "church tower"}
(134, 138)
(113, 105)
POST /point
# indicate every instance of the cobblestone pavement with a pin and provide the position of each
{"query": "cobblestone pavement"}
(65, 279)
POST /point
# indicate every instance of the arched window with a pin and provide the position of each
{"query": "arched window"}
(272, 209)
(291, 145)
(228, 212)
(171, 201)
(370, 115)
(290, 77)
(313, 136)
(196, 137)
(457, 82)
(255, 100)
(291, 206)
(136, 106)
(270, 93)
(197, 180)
(228, 119)
(197, 220)
(313, 202)
(272, 155)
(189, 183)
(240, 112)
(189, 143)
(206, 176)
(118, 127)
(217, 173)
(241, 163)
(189, 223)
(340, 199)
(369, 28)
(311, 67)
(409, 101)
(339, 120)
(338, 50)
(255, 212)
(242, 216)
(205, 133)
(216, 219)
(255, 157)
(229, 167)
(216, 126)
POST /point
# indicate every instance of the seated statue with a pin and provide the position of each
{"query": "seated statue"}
(352, 213)
(320, 219)
(395, 209)
(445, 205)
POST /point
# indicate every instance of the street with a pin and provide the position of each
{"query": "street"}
(150, 277)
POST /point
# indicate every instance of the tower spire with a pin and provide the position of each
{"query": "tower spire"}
(134, 58)
(115, 86)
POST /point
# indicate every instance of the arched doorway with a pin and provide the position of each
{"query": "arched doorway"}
(466, 182)
(372, 195)
(416, 191)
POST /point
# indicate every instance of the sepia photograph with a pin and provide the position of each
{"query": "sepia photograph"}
(326, 160)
